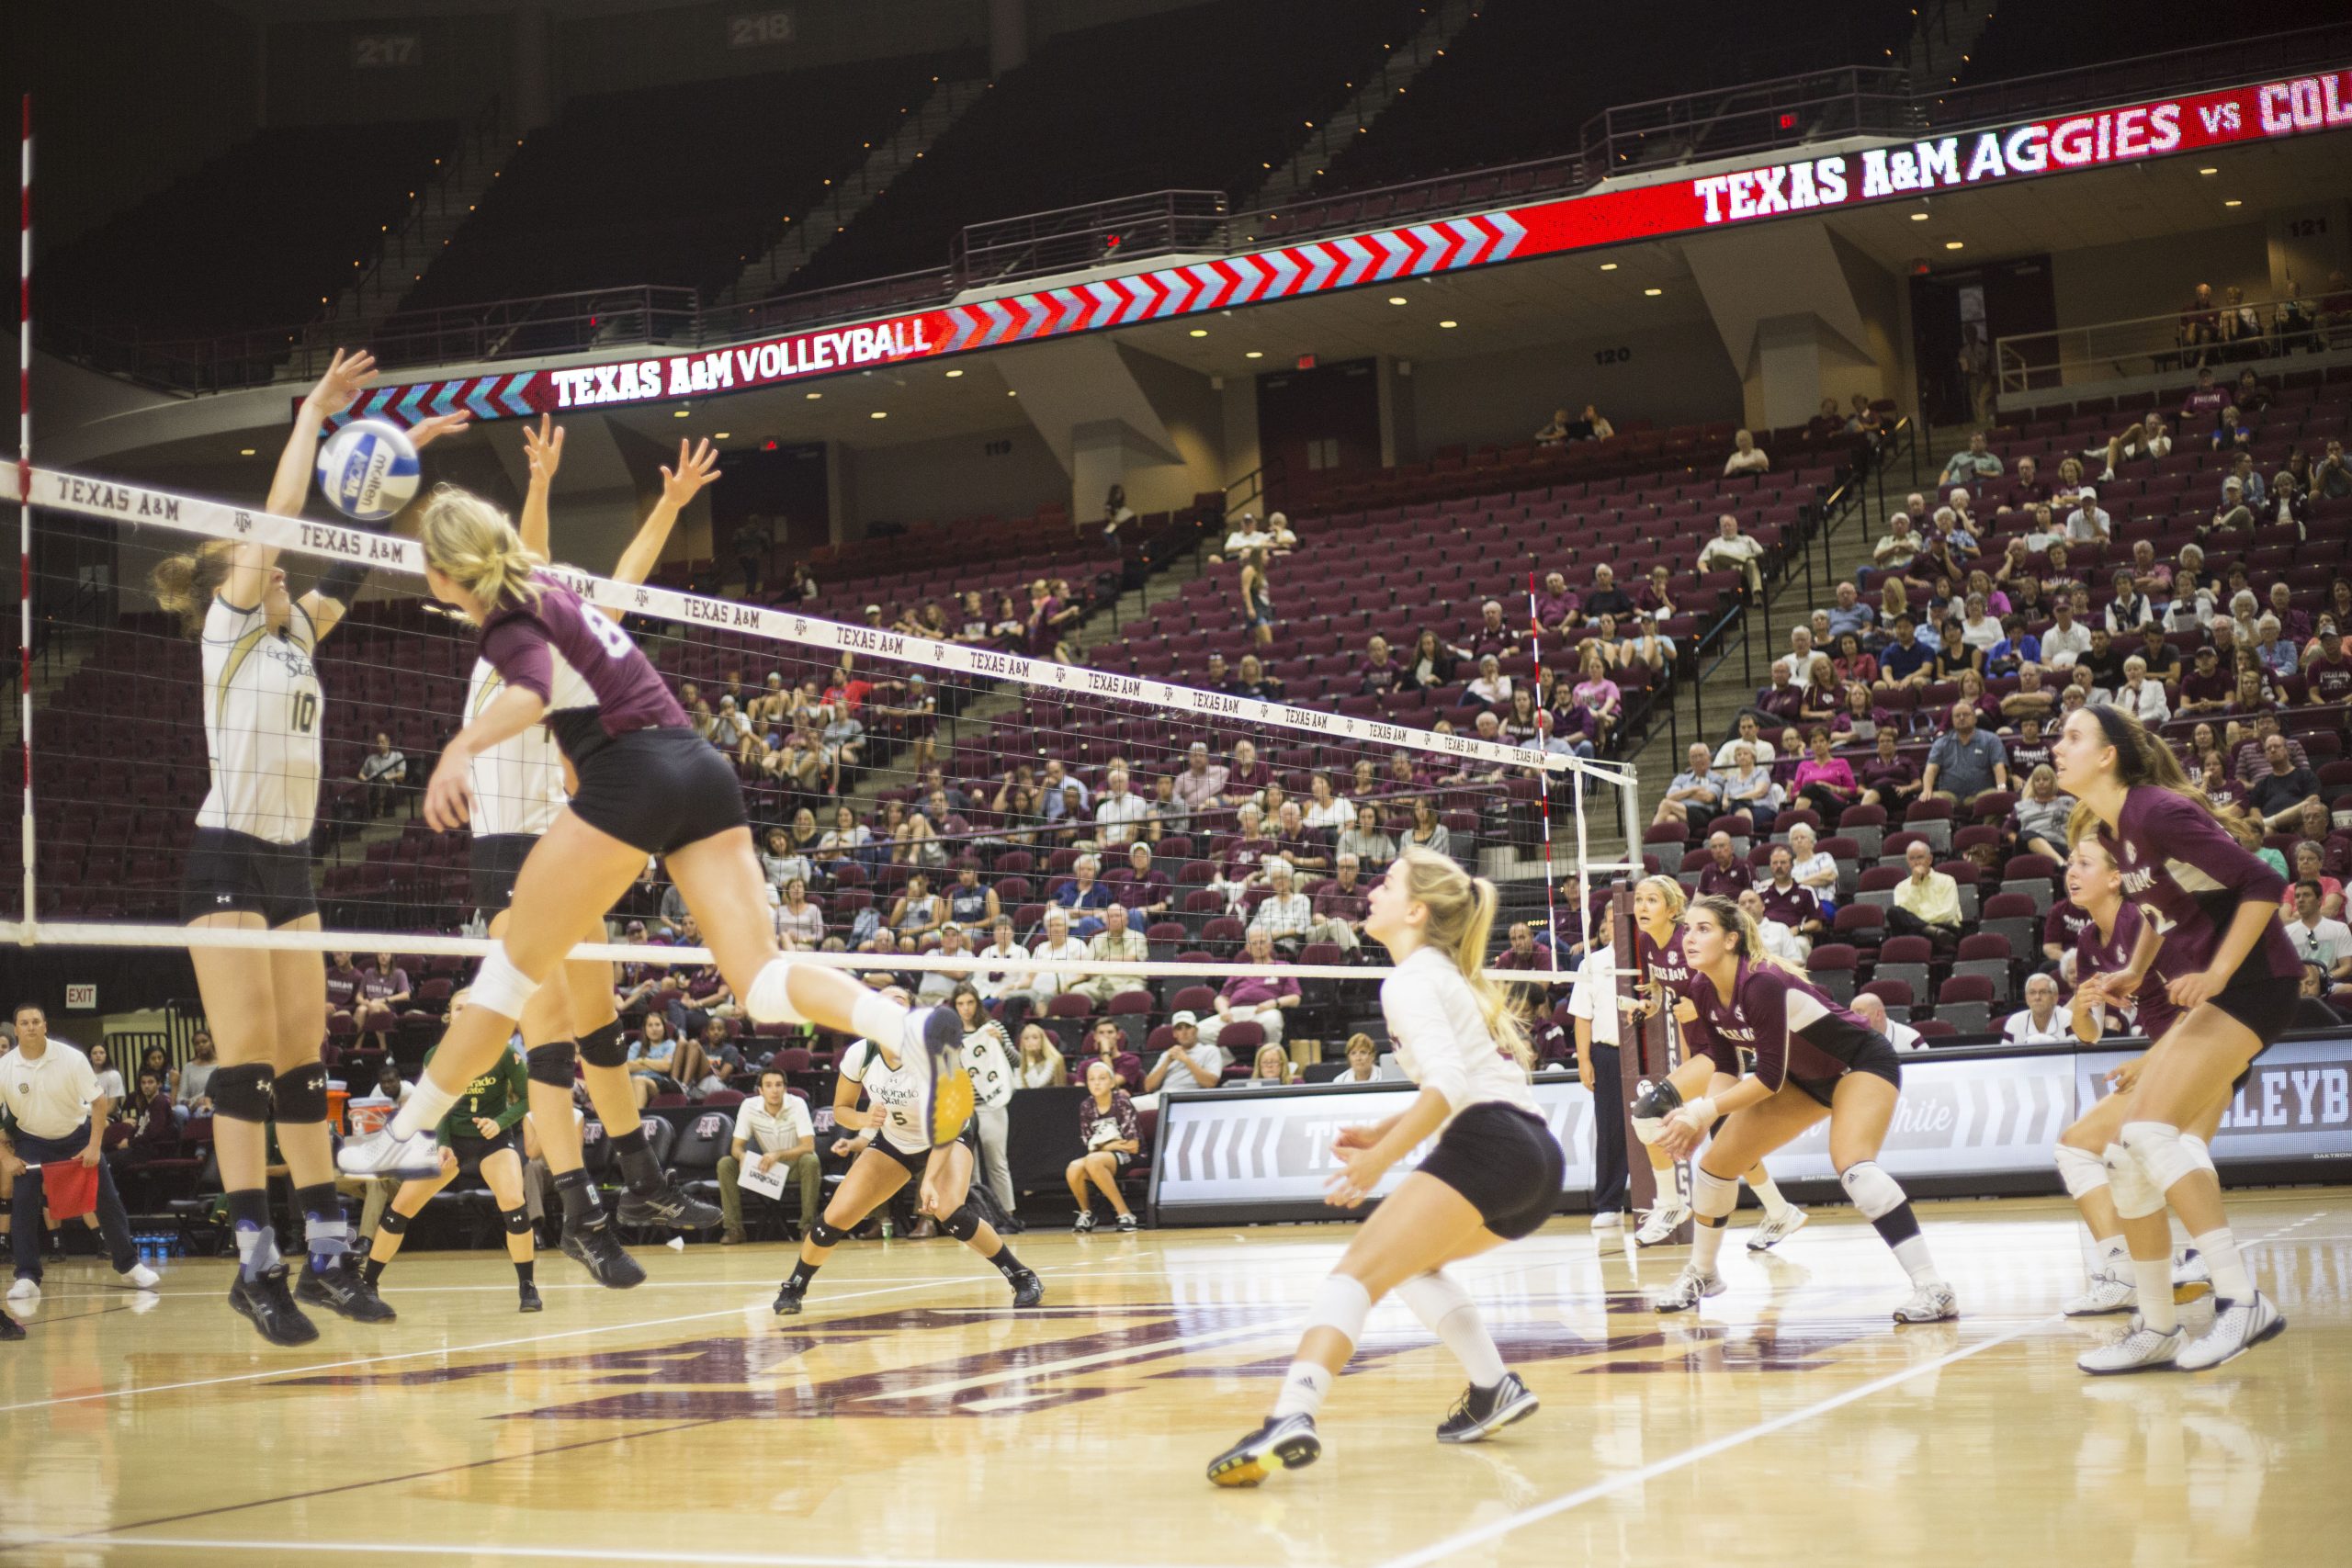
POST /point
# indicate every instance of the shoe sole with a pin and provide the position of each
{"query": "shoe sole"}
(1249, 1470)
(2100, 1312)
(1518, 1409)
(1952, 1316)
(2270, 1331)
(254, 1317)
(2192, 1290)
(1757, 1244)
(594, 1273)
(531, 1306)
(789, 1309)
(320, 1299)
(1665, 1240)
(2167, 1366)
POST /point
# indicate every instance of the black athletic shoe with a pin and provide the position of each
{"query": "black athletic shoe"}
(1286, 1442)
(666, 1205)
(598, 1250)
(270, 1305)
(787, 1299)
(10, 1329)
(530, 1299)
(1027, 1289)
(1483, 1410)
(344, 1290)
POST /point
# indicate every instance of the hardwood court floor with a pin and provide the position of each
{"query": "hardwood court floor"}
(910, 1417)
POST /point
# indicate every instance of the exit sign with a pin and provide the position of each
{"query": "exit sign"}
(1305, 362)
(81, 998)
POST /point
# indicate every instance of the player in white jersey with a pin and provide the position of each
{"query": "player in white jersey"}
(990, 1059)
(519, 789)
(1493, 1176)
(896, 1144)
(249, 869)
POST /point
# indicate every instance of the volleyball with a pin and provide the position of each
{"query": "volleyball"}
(368, 470)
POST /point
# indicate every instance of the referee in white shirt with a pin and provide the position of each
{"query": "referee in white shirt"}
(50, 1090)
(1593, 1005)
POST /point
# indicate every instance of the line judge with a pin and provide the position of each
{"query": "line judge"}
(51, 1093)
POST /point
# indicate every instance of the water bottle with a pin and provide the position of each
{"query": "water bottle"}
(889, 1226)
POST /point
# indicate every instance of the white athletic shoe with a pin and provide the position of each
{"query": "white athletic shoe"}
(1662, 1223)
(25, 1291)
(1777, 1228)
(142, 1278)
(1608, 1219)
(2191, 1279)
(1929, 1303)
(2141, 1351)
(381, 1153)
(1691, 1287)
(2104, 1295)
(2238, 1326)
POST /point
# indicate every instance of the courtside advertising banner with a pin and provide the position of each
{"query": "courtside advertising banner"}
(1851, 177)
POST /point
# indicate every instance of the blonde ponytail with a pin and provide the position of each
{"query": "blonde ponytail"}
(1462, 919)
(472, 542)
(185, 584)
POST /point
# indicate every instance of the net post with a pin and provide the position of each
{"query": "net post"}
(25, 493)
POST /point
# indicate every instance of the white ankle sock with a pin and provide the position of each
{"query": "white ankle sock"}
(1706, 1245)
(2231, 1282)
(1912, 1253)
(2154, 1279)
(2114, 1257)
(423, 1109)
(1304, 1387)
(1767, 1192)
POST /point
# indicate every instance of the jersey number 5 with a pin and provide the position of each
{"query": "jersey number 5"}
(302, 711)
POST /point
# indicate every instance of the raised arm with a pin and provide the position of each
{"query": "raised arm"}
(543, 452)
(697, 467)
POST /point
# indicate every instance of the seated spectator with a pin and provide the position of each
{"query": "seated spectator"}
(2041, 1023)
(1084, 896)
(1340, 908)
(1187, 1063)
(1427, 832)
(1008, 958)
(2141, 697)
(1558, 608)
(1431, 663)
(2142, 442)
(1201, 783)
(1519, 950)
(2310, 866)
(1653, 596)
(2280, 792)
(1899, 547)
(918, 912)
(2027, 490)
(1554, 430)
(1034, 987)
(384, 992)
(1724, 875)
(2332, 475)
(1370, 847)
(1965, 761)
(781, 862)
(1494, 636)
(1598, 695)
(839, 844)
(1927, 903)
(1121, 815)
(1905, 661)
(1303, 851)
(1272, 1066)
(1606, 598)
(383, 771)
(1825, 781)
(1973, 462)
(1850, 615)
(2040, 815)
(1491, 688)
(799, 920)
(1748, 733)
(1889, 779)
(2089, 523)
(1252, 682)
(1592, 425)
(1139, 886)
(1697, 791)
(1730, 550)
(1751, 793)
(1251, 999)
(1380, 672)
(1117, 942)
(1246, 777)
(1852, 664)
(1364, 1062)
(2319, 938)
(1107, 1043)
(649, 1061)
(1285, 914)
(1871, 1009)
(1112, 1134)
(1746, 457)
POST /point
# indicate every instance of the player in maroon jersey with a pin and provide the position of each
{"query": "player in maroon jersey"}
(1812, 1058)
(2212, 908)
(1659, 903)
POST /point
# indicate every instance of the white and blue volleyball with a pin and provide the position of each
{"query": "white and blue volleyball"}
(368, 470)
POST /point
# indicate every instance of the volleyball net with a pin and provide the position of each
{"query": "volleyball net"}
(882, 757)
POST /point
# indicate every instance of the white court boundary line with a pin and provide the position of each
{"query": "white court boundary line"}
(281, 1548)
(1455, 1544)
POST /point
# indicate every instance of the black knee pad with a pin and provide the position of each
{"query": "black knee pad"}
(551, 1063)
(823, 1235)
(518, 1220)
(395, 1223)
(603, 1047)
(963, 1225)
(241, 1093)
(301, 1095)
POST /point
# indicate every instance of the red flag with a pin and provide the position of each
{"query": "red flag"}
(70, 1189)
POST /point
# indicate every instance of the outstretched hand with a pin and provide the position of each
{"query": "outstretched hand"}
(426, 432)
(543, 449)
(347, 376)
(696, 468)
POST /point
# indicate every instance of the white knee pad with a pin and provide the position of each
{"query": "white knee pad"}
(501, 987)
(1432, 1296)
(2201, 1153)
(2136, 1196)
(1712, 1197)
(2164, 1154)
(1340, 1303)
(2082, 1172)
(1874, 1193)
(767, 1001)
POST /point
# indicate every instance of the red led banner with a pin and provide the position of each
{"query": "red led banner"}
(1965, 160)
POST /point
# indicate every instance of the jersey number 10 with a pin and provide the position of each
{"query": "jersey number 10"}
(302, 711)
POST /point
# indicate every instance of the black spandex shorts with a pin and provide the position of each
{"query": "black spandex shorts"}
(915, 1162)
(658, 790)
(471, 1151)
(1878, 1057)
(2264, 1002)
(230, 871)
(1505, 1162)
(497, 861)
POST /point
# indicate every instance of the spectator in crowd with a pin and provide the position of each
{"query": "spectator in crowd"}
(1039, 984)
(2041, 813)
(1247, 778)
(1851, 613)
(1427, 832)
(1431, 663)
(1145, 890)
(1007, 958)
(934, 987)
(1975, 461)
(1285, 914)
(1554, 430)
(1965, 761)
(1697, 791)
(1871, 1009)
(1186, 1063)
(1201, 783)
(1121, 815)
(772, 1129)
(1380, 671)
(1493, 635)
(781, 861)
(1751, 793)
(1558, 608)
(1606, 598)
(1780, 941)
(2089, 523)
(1106, 1041)
(1927, 903)
(1364, 1062)
(2140, 697)
(1899, 546)
(1813, 866)
(384, 990)
(1730, 550)
(383, 771)
(1724, 875)
(1491, 688)
(1117, 942)
(2280, 792)
(1112, 1135)
(1906, 661)
(2326, 672)
(1598, 696)
(1271, 1066)
(2318, 938)
(800, 921)
(1746, 732)
(1340, 907)
(1251, 999)
(1041, 1065)
(191, 1082)
(2027, 490)
(650, 1056)
(1746, 457)
(1790, 902)
(1251, 681)
(2041, 1023)
(1825, 781)
(2331, 475)
(917, 913)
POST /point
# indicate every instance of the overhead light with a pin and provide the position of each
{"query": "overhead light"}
(1918, 218)
(1953, 245)
(1449, 324)
(721, 436)
(2234, 203)
(2209, 171)
(1396, 300)
(878, 413)
(1199, 332)
(1010, 392)
(812, 397)
(1608, 266)
(1254, 354)
(680, 414)
(245, 451)
(953, 374)
(1652, 293)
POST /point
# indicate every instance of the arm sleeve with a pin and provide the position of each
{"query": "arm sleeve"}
(518, 1091)
(517, 648)
(1416, 1020)
(2193, 837)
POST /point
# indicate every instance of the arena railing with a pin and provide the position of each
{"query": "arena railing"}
(2161, 74)
(1070, 239)
(2073, 358)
